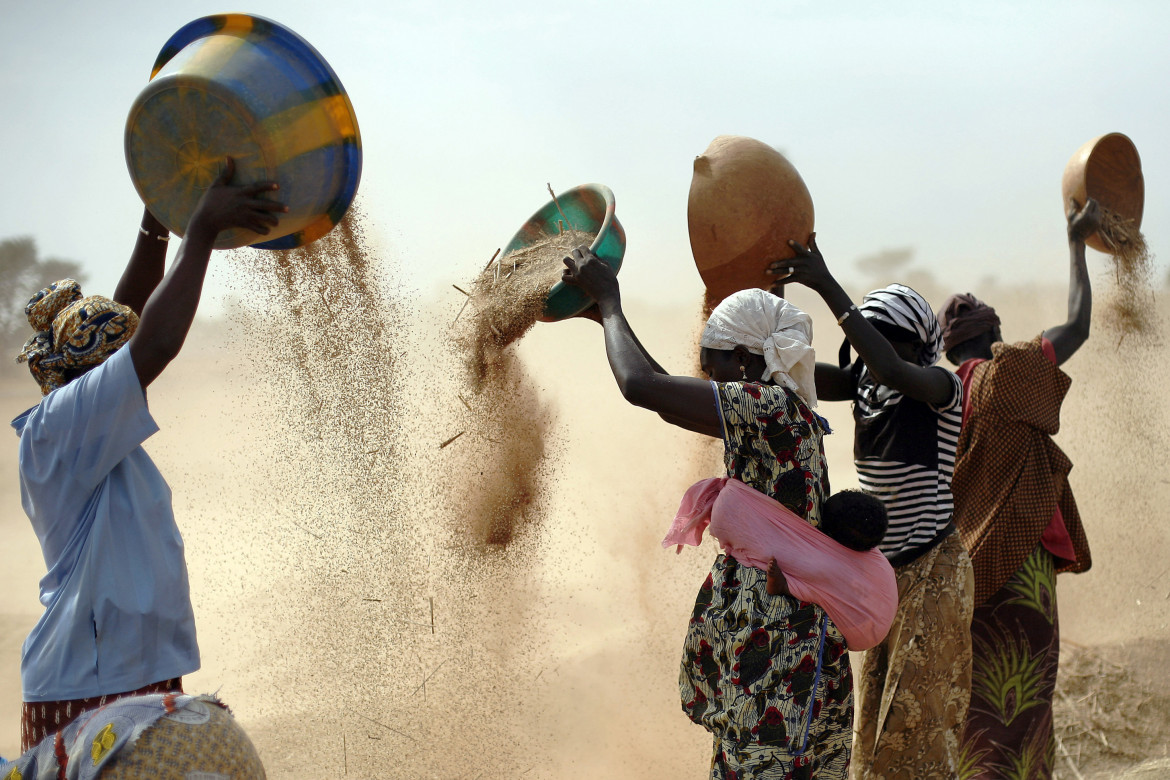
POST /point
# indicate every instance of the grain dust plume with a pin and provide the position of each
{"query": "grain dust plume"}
(1130, 303)
(507, 299)
(501, 464)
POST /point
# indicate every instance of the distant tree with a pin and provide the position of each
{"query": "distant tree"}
(887, 263)
(22, 273)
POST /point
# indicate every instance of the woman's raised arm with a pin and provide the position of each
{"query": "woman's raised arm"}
(681, 400)
(145, 269)
(887, 367)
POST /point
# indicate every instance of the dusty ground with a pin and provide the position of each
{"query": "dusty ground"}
(350, 637)
(1111, 708)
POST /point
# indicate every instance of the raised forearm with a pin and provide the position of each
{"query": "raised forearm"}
(881, 359)
(145, 269)
(1067, 338)
(170, 310)
(632, 366)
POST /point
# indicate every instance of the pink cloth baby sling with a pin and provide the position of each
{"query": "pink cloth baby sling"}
(856, 589)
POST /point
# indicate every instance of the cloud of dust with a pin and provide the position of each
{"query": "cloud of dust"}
(343, 616)
(349, 624)
(400, 648)
(501, 467)
(497, 472)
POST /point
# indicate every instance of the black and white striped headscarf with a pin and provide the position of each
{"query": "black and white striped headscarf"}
(902, 307)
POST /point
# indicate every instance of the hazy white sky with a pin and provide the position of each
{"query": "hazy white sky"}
(940, 126)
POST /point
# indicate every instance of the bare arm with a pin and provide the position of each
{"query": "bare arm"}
(833, 382)
(145, 269)
(682, 400)
(170, 310)
(594, 313)
(924, 384)
(1067, 338)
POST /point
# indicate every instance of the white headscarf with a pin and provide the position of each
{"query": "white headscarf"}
(767, 325)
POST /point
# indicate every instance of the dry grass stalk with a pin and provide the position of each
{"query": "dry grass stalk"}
(423, 685)
(1071, 764)
(453, 438)
(557, 203)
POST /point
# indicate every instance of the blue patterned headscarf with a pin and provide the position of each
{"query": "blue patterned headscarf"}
(72, 332)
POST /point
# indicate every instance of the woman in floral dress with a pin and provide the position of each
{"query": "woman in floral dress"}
(767, 675)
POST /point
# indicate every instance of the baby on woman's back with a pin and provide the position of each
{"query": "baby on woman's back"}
(837, 566)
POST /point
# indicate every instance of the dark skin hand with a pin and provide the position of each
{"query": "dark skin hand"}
(891, 365)
(777, 583)
(170, 310)
(681, 400)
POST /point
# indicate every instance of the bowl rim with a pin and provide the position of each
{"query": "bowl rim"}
(609, 223)
(243, 25)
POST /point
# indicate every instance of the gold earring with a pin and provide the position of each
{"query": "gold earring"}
(743, 371)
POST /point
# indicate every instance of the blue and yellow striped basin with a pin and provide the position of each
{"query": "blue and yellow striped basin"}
(245, 87)
(590, 209)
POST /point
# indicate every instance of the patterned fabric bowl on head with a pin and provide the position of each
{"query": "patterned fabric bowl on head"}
(245, 87)
(588, 208)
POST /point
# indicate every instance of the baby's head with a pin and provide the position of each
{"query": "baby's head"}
(854, 519)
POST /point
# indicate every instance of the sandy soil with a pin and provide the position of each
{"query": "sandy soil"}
(352, 637)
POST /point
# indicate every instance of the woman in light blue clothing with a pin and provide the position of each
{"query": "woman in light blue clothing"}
(118, 618)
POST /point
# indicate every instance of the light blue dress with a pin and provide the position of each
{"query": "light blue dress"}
(117, 603)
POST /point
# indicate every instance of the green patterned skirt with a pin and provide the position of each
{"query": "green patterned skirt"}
(1016, 642)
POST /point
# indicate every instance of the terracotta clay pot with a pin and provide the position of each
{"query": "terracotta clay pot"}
(1109, 170)
(746, 202)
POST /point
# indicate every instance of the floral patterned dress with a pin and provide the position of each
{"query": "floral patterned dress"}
(768, 675)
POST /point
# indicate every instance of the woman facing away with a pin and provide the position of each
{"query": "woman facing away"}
(1017, 516)
(118, 618)
(915, 686)
(767, 675)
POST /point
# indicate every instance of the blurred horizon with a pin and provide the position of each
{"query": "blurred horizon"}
(935, 129)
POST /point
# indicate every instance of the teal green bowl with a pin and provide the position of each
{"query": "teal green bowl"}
(590, 209)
